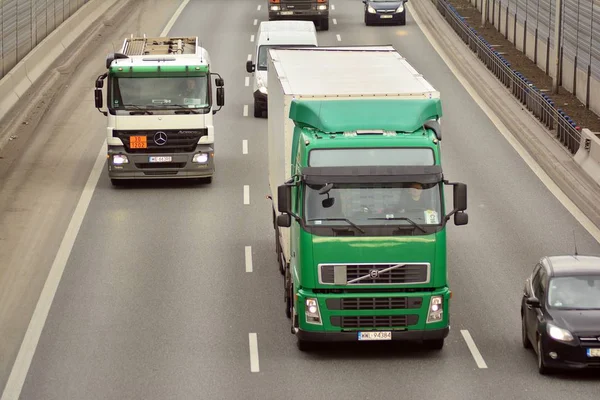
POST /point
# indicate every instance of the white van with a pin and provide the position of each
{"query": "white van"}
(276, 34)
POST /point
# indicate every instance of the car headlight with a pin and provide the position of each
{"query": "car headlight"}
(400, 8)
(200, 158)
(275, 8)
(371, 10)
(312, 313)
(559, 334)
(322, 7)
(119, 159)
(436, 309)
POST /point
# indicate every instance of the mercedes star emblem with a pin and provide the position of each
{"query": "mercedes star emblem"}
(160, 138)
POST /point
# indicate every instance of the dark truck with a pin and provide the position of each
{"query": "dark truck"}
(306, 10)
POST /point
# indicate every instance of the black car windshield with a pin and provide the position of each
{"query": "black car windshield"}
(580, 292)
(374, 204)
(163, 92)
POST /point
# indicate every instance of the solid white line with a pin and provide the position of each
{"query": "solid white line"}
(474, 351)
(255, 21)
(246, 194)
(339, 38)
(531, 163)
(249, 57)
(335, 21)
(258, 8)
(247, 81)
(254, 367)
(252, 38)
(20, 369)
(245, 112)
(248, 255)
(332, 7)
(244, 146)
(173, 19)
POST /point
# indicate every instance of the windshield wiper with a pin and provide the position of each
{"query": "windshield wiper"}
(138, 108)
(185, 108)
(338, 219)
(401, 219)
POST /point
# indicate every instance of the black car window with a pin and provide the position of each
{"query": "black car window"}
(535, 281)
(543, 285)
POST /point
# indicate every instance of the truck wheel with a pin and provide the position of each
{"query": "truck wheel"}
(324, 24)
(305, 346)
(258, 113)
(288, 302)
(117, 182)
(436, 344)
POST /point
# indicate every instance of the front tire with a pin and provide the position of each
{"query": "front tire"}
(402, 19)
(366, 20)
(525, 340)
(324, 24)
(258, 113)
(435, 344)
(542, 368)
(305, 346)
(117, 182)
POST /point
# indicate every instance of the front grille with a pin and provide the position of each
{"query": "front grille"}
(177, 141)
(298, 6)
(374, 274)
(160, 165)
(590, 340)
(374, 321)
(375, 303)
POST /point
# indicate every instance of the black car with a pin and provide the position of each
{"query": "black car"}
(560, 312)
(385, 11)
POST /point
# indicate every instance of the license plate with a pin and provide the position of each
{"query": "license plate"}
(379, 335)
(160, 159)
(385, 16)
(287, 13)
(593, 352)
(138, 142)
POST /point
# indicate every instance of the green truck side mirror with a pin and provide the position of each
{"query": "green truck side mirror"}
(284, 199)
(460, 197)
(284, 220)
(461, 218)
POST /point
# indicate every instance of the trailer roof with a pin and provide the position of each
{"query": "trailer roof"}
(349, 71)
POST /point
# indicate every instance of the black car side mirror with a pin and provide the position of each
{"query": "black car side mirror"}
(533, 302)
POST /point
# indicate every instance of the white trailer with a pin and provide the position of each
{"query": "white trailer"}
(329, 73)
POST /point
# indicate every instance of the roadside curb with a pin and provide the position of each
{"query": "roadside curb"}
(27, 71)
(551, 156)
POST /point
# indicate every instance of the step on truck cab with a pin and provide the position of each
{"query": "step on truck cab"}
(160, 109)
(356, 176)
(275, 34)
(307, 10)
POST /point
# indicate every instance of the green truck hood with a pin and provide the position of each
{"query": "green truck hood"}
(389, 249)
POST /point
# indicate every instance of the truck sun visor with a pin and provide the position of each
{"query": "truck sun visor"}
(373, 174)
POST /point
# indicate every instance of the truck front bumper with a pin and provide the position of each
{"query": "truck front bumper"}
(407, 336)
(179, 166)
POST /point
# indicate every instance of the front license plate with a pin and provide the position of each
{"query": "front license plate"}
(385, 16)
(593, 352)
(138, 142)
(380, 335)
(160, 159)
(287, 13)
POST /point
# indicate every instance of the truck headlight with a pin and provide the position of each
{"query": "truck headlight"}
(400, 8)
(321, 7)
(275, 8)
(371, 10)
(559, 334)
(312, 313)
(119, 159)
(200, 158)
(436, 309)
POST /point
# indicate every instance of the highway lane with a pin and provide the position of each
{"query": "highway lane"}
(156, 302)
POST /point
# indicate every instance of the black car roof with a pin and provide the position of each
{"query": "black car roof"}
(573, 265)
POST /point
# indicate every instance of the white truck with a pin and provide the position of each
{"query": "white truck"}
(160, 109)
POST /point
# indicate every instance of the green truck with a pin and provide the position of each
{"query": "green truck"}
(358, 193)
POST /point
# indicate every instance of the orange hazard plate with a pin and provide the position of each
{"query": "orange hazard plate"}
(138, 142)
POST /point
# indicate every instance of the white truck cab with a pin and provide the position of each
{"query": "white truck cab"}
(275, 34)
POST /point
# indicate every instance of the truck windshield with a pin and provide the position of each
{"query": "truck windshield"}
(159, 92)
(374, 204)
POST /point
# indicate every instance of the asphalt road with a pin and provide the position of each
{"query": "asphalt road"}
(156, 300)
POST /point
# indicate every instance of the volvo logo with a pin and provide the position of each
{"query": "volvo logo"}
(374, 273)
(160, 138)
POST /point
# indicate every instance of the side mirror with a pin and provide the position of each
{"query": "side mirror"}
(460, 197)
(220, 96)
(364, 1)
(250, 67)
(533, 302)
(461, 218)
(99, 83)
(219, 82)
(284, 199)
(284, 220)
(98, 97)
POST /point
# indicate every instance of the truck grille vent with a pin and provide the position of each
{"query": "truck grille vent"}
(375, 303)
(374, 274)
(177, 141)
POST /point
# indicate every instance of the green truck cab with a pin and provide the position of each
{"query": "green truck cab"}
(361, 230)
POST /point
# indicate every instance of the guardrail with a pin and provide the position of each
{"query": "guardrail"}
(540, 104)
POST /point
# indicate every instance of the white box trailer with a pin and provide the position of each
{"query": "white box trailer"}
(329, 73)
